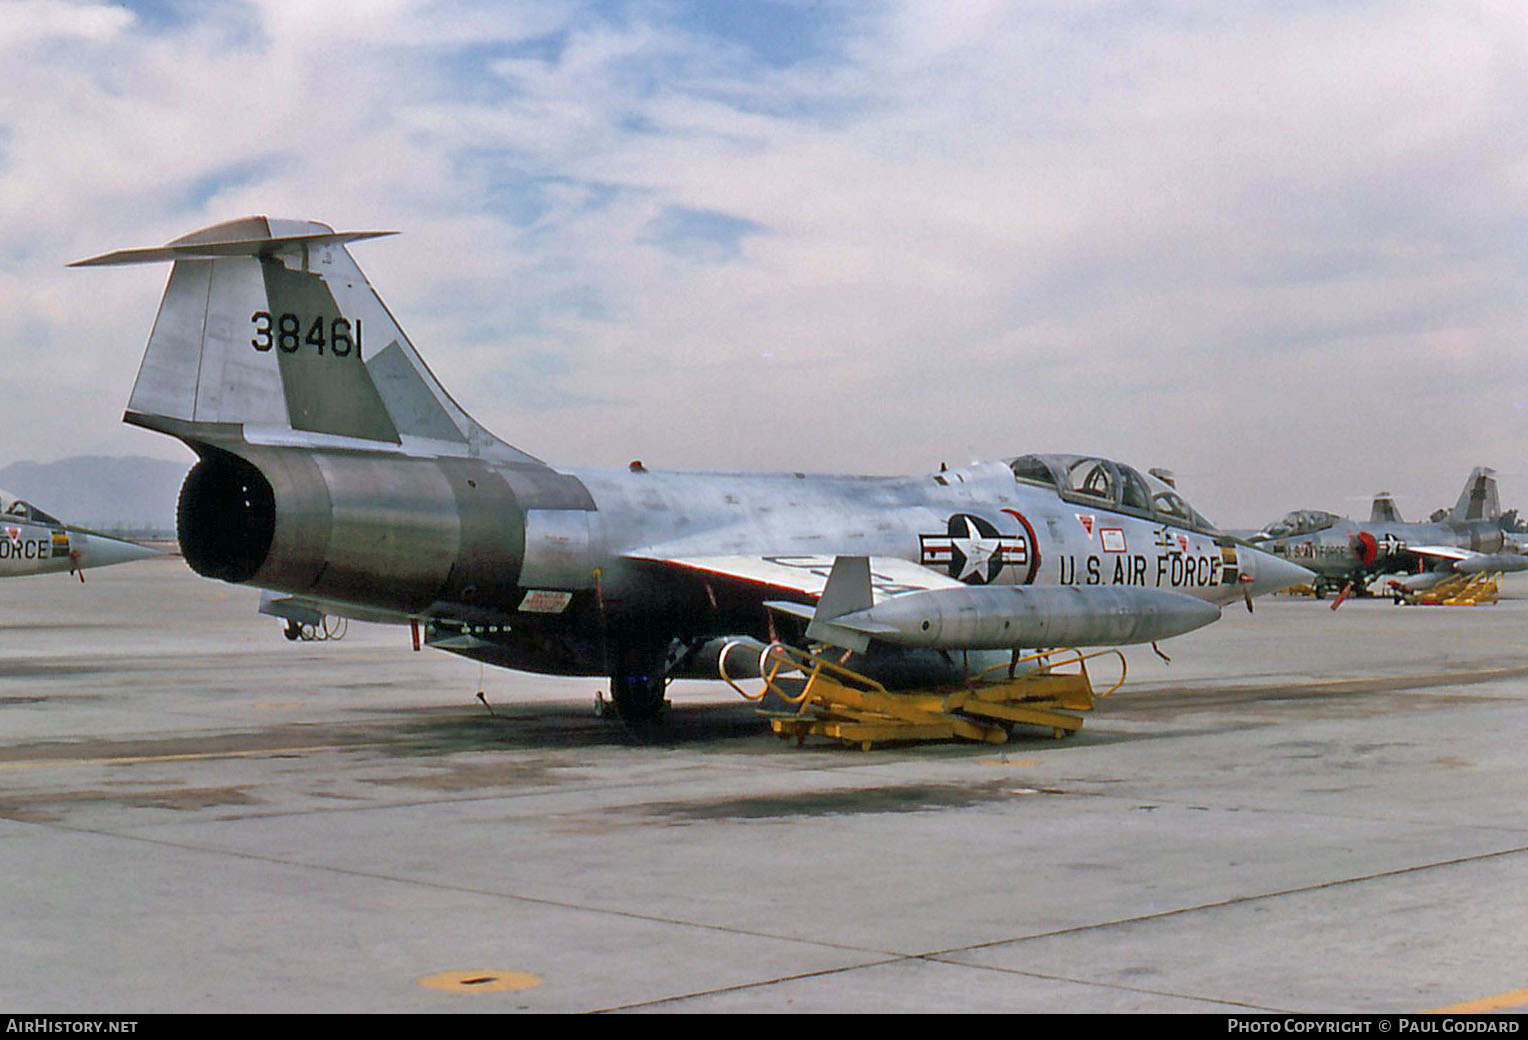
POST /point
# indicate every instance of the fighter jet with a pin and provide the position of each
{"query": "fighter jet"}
(1346, 555)
(32, 542)
(336, 472)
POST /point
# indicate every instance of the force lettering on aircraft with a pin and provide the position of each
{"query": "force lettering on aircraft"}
(25, 548)
(289, 333)
(1172, 571)
(1311, 550)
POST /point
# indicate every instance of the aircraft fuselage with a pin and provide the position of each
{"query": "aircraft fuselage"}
(1348, 548)
(541, 570)
(1015, 534)
(27, 548)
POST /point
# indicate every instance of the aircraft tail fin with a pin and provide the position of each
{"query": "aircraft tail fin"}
(269, 330)
(1383, 510)
(1478, 500)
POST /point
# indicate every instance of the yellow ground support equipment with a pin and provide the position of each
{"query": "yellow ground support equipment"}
(1044, 689)
(1461, 590)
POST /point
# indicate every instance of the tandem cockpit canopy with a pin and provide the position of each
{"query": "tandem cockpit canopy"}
(1301, 521)
(14, 508)
(1088, 480)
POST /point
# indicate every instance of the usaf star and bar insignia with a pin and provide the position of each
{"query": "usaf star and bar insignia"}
(972, 550)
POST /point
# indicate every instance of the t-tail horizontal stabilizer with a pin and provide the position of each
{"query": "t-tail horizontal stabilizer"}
(999, 617)
(268, 333)
(197, 246)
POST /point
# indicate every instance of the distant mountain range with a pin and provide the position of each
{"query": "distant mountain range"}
(131, 495)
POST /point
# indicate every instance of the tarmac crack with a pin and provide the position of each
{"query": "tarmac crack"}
(440, 886)
(949, 957)
(1142, 699)
(1219, 904)
(916, 958)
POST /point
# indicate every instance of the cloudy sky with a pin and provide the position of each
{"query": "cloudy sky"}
(1279, 248)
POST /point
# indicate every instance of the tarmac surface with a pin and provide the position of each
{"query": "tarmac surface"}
(1306, 811)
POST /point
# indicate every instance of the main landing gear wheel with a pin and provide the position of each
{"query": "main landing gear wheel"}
(638, 698)
(637, 684)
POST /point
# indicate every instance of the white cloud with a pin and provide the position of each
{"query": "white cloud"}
(1277, 249)
(33, 23)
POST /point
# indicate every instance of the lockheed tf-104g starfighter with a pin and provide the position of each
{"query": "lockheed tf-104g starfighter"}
(334, 469)
(1348, 555)
(33, 542)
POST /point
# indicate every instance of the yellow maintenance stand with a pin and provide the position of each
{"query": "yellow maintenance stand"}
(1462, 590)
(1046, 690)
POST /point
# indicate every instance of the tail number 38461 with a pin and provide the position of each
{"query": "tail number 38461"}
(290, 332)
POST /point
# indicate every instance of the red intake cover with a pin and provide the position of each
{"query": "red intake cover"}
(1365, 548)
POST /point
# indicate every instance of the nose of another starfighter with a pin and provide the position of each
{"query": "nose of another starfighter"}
(97, 550)
(1269, 573)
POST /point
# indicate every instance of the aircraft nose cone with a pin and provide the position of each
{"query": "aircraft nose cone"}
(1270, 573)
(97, 550)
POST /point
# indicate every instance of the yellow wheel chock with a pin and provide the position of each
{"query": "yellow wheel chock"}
(1045, 690)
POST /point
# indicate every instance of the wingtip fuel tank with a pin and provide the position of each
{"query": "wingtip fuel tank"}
(1003, 617)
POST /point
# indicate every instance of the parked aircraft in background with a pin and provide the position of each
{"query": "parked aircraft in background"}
(336, 471)
(1348, 555)
(32, 542)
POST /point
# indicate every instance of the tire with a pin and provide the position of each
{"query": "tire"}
(638, 680)
(638, 699)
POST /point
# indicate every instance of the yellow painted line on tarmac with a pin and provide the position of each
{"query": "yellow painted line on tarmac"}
(492, 981)
(1485, 1005)
(56, 763)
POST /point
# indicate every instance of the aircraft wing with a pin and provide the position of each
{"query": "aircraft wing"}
(1452, 553)
(862, 598)
(804, 573)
